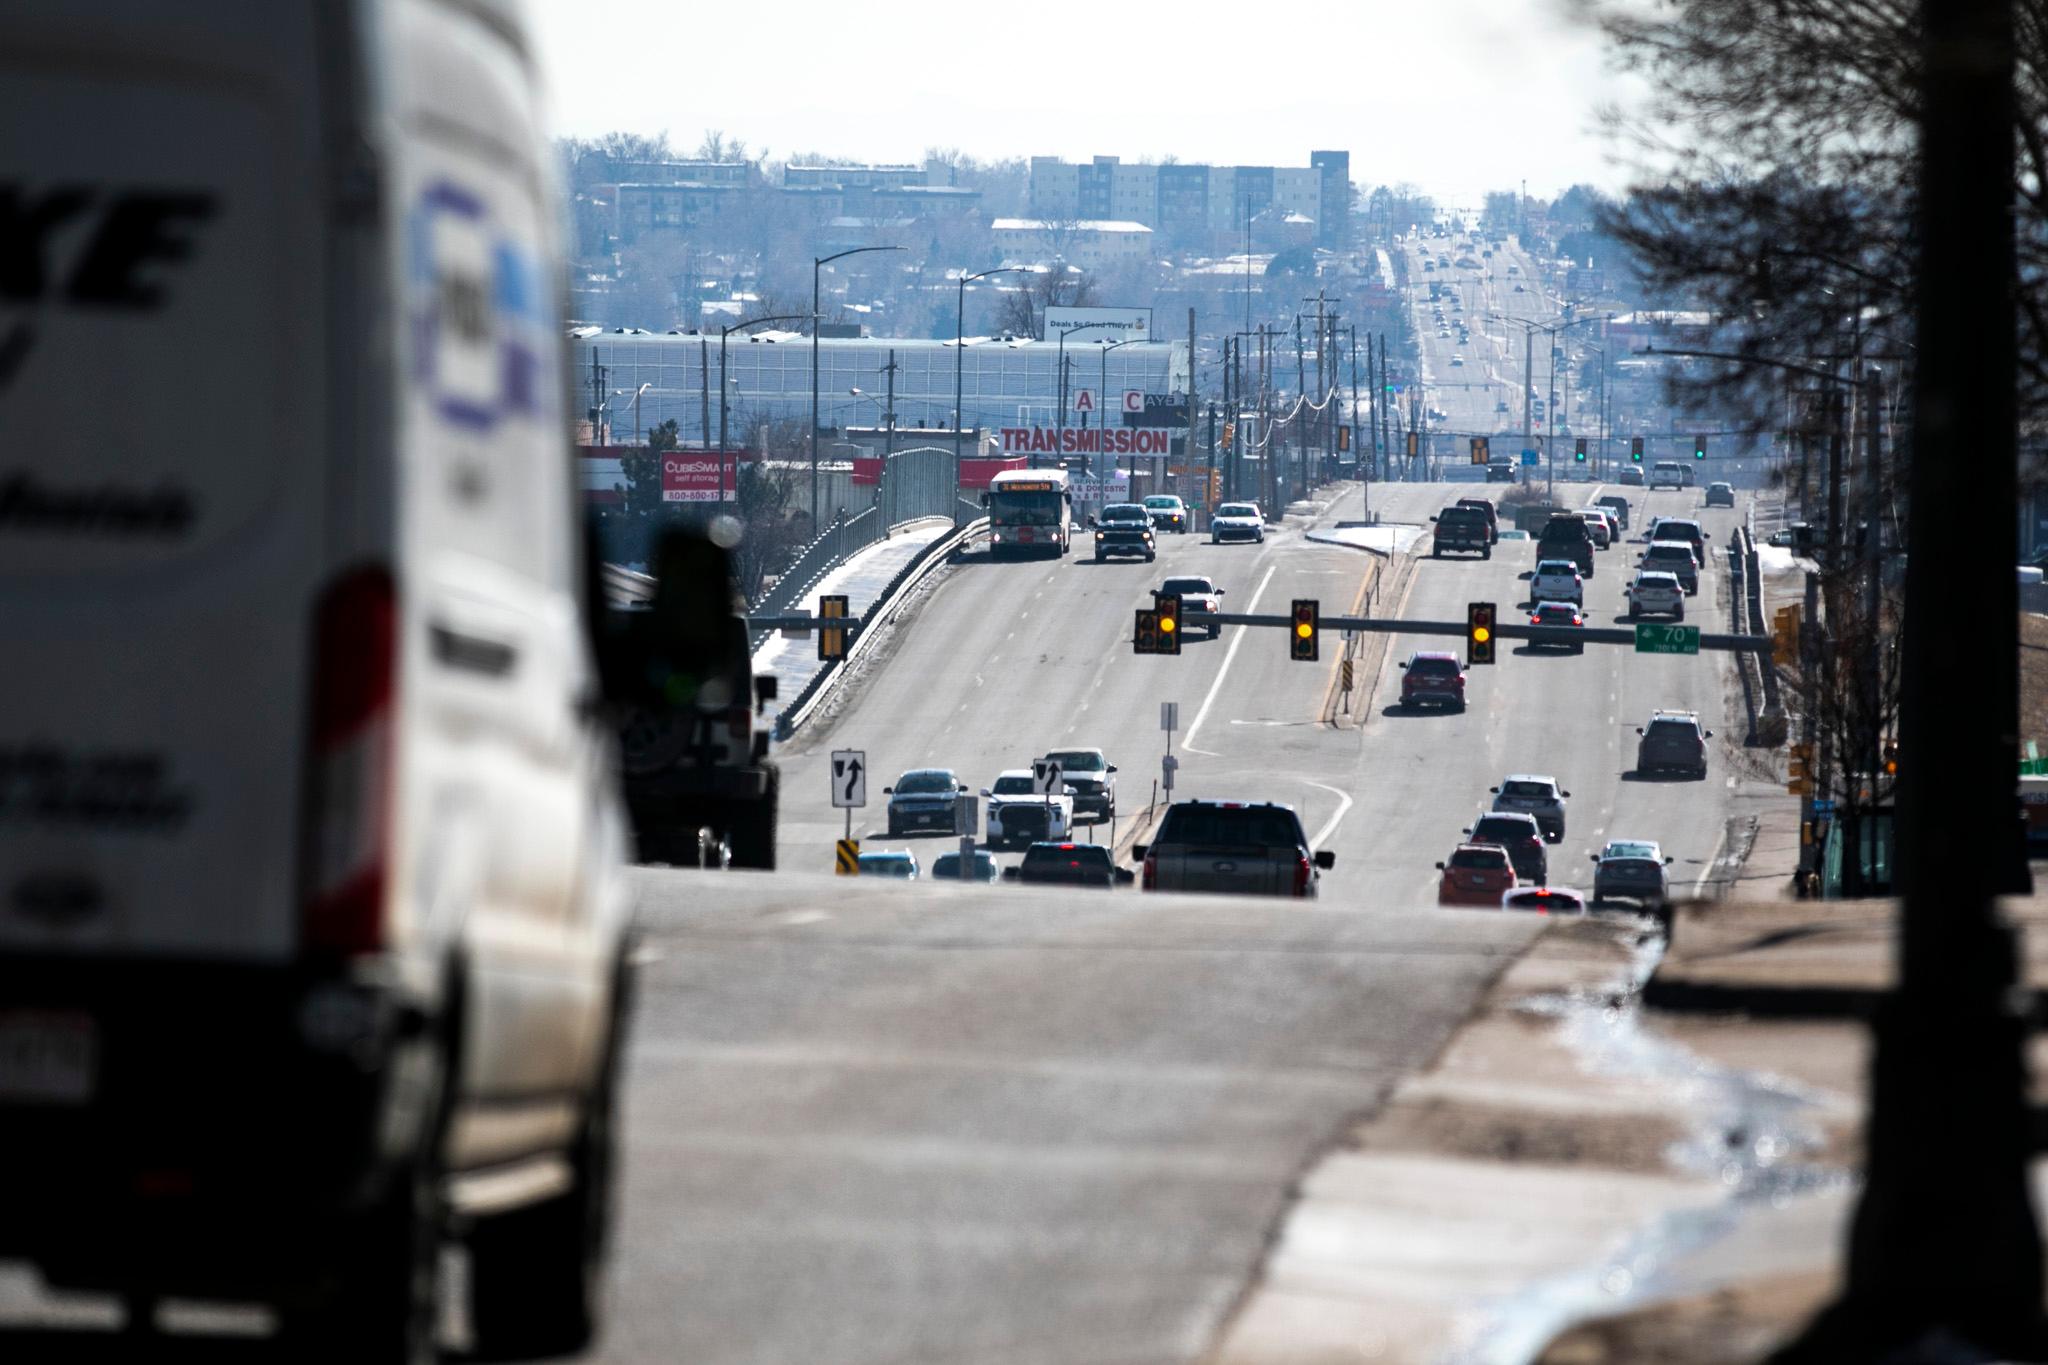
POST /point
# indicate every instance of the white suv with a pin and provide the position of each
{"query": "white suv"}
(1656, 593)
(315, 927)
(1557, 580)
(1018, 814)
(1531, 794)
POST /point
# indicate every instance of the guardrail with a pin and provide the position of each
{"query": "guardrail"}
(916, 484)
(815, 691)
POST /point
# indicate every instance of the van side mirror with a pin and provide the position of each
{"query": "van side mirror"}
(1710, 734)
(1494, 790)
(1111, 768)
(1440, 867)
(888, 791)
(1325, 859)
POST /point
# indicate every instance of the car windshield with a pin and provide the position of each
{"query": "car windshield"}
(1121, 511)
(1494, 827)
(1480, 858)
(1241, 827)
(884, 865)
(1087, 856)
(1077, 760)
(1559, 568)
(1164, 504)
(1013, 786)
(1186, 586)
(1237, 509)
(1427, 667)
(926, 781)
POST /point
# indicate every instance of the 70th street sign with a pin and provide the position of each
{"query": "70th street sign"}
(1665, 639)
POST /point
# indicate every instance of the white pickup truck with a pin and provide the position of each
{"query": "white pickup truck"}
(1018, 814)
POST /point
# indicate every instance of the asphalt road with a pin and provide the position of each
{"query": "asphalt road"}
(884, 1121)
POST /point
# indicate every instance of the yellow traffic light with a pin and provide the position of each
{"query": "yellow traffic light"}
(1479, 641)
(1785, 635)
(1306, 643)
(1167, 607)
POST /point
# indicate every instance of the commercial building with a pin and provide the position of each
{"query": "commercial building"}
(1198, 205)
(1007, 384)
(1091, 242)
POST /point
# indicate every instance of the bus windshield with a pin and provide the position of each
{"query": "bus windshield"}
(1025, 509)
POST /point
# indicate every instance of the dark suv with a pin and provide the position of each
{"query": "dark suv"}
(1673, 741)
(1124, 528)
(1566, 537)
(925, 798)
(1433, 678)
(1521, 837)
(1462, 528)
(1068, 865)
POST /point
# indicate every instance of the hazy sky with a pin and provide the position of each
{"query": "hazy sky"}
(1454, 96)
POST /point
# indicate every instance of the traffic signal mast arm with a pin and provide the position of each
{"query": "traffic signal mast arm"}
(1502, 629)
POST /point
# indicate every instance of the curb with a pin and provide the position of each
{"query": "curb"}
(824, 681)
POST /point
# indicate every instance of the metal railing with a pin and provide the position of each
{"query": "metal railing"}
(915, 485)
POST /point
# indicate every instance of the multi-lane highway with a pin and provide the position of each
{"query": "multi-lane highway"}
(885, 1121)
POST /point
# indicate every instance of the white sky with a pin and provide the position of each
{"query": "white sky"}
(1453, 96)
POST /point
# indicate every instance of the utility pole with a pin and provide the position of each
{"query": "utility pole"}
(889, 409)
(1944, 1251)
(1528, 391)
(704, 393)
(1300, 415)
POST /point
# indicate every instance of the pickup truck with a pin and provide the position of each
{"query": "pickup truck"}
(1019, 815)
(1232, 847)
(1123, 528)
(1462, 528)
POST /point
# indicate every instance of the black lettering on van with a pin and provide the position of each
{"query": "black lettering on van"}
(26, 223)
(139, 229)
(107, 510)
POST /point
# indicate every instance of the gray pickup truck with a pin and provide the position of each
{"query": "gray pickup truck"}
(1233, 848)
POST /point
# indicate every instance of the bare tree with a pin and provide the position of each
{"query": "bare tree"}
(1060, 286)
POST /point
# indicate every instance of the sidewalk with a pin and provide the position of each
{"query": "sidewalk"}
(861, 579)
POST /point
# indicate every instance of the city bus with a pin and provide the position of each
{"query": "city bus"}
(1028, 512)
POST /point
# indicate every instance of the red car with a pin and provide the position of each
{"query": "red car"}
(1433, 678)
(1477, 874)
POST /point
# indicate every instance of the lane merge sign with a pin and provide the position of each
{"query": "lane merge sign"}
(849, 779)
(1047, 779)
(1654, 638)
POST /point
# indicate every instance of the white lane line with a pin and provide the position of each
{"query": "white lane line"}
(1700, 882)
(1343, 804)
(1188, 742)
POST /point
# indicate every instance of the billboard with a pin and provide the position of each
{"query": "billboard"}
(1084, 441)
(1104, 324)
(695, 475)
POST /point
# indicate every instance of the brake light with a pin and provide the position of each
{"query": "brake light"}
(347, 831)
(1303, 871)
(1151, 879)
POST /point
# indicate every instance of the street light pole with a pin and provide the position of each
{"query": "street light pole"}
(724, 334)
(1066, 332)
(960, 363)
(818, 263)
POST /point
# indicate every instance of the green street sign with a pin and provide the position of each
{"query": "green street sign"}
(1667, 639)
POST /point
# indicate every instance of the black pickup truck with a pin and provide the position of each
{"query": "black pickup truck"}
(1463, 528)
(1123, 528)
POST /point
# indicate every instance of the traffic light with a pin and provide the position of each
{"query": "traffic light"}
(1785, 636)
(1635, 449)
(1229, 434)
(1145, 633)
(1414, 444)
(1799, 770)
(1479, 642)
(1699, 447)
(1166, 607)
(1891, 758)
(1305, 642)
(1479, 455)
(1343, 439)
(1579, 450)
(832, 639)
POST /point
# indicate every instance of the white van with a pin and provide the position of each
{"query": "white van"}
(311, 891)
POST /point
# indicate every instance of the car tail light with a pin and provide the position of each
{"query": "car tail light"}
(346, 840)
(1303, 871)
(1151, 881)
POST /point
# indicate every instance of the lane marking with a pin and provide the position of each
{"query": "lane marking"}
(1343, 805)
(1229, 655)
